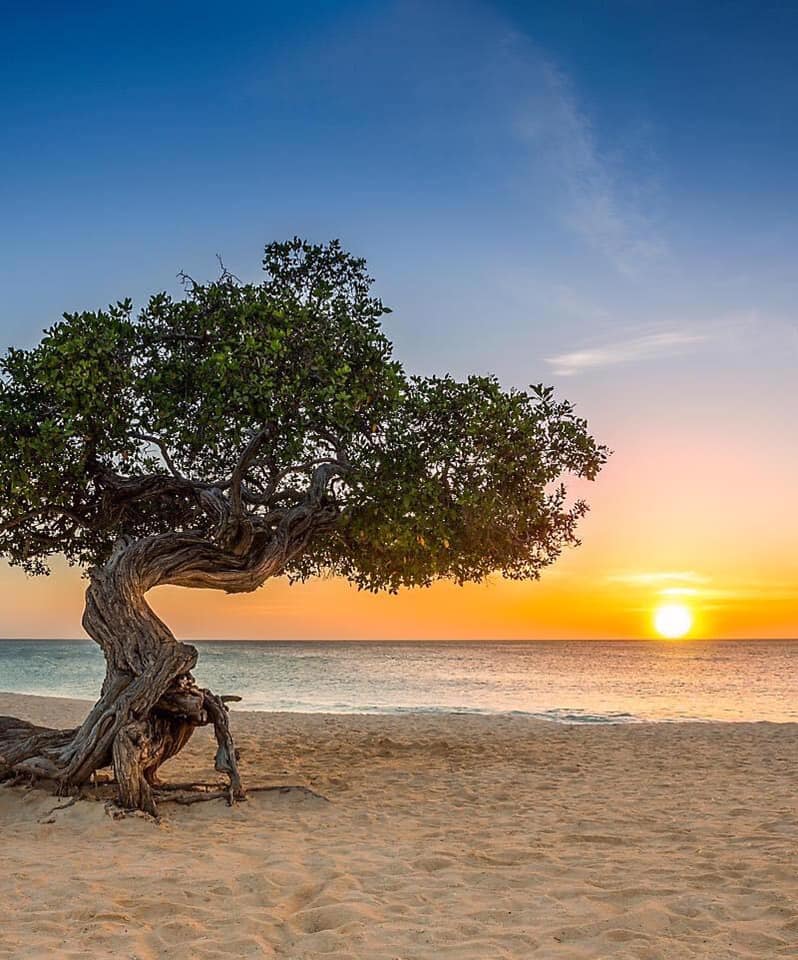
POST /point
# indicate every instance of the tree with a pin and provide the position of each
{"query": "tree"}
(247, 431)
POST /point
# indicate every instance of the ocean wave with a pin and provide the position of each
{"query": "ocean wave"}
(555, 715)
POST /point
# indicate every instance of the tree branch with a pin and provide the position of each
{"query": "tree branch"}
(41, 512)
(167, 459)
(322, 475)
(244, 461)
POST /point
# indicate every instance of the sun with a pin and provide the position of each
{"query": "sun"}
(673, 620)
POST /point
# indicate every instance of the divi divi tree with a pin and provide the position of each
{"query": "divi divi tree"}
(242, 432)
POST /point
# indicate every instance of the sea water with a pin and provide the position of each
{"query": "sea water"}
(566, 681)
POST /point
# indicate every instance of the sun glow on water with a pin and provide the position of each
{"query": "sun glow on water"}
(673, 620)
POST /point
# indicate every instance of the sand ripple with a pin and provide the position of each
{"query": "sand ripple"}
(459, 837)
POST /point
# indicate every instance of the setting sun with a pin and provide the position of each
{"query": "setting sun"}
(673, 620)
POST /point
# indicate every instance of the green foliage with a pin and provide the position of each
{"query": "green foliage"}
(115, 423)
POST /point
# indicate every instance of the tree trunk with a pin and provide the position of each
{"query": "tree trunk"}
(149, 704)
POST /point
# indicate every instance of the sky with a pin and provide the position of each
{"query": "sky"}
(597, 195)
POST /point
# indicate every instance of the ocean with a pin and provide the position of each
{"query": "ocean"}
(563, 681)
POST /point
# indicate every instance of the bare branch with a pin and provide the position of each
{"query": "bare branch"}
(246, 458)
(119, 493)
(322, 475)
(225, 273)
(336, 443)
(167, 459)
(149, 485)
(270, 495)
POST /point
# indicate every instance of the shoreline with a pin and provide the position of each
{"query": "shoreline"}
(8, 697)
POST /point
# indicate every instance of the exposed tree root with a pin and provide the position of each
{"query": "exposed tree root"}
(186, 798)
(49, 817)
(135, 746)
(188, 785)
(183, 794)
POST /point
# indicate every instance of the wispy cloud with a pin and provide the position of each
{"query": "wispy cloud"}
(602, 200)
(654, 578)
(487, 92)
(700, 588)
(644, 347)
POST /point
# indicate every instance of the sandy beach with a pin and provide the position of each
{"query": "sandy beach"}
(460, 837)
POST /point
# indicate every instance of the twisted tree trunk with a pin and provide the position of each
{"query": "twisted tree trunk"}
(149, 704)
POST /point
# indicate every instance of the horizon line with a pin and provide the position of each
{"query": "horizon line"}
(410, 640)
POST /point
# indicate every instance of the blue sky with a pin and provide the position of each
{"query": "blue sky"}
(612, 148)
(600, 195)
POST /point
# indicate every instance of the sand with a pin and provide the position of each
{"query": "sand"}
(444, 837)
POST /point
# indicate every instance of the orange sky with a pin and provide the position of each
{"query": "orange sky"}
(662, 529)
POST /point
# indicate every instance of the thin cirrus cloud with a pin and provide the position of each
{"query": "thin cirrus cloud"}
(599, 201)
(656, 578)
(691, 583)
(600, 185)
(644, 347)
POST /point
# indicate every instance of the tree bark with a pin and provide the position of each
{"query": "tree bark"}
(149, 704)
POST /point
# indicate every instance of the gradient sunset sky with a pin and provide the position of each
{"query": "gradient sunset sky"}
(598, 195)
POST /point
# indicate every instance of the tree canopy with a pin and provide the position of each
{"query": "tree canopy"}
(222, 411)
